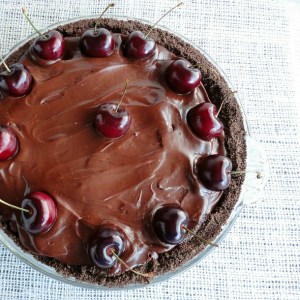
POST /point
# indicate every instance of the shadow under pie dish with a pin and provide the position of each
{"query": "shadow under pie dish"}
(98, 182)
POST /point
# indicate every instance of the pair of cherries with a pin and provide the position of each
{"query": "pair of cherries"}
(112, 121)
(17, 81)
(38, 208)
(168, 225)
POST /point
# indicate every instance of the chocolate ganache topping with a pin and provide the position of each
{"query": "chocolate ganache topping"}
(97, 181)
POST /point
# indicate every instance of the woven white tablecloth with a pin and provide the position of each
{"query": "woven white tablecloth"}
(257, 43)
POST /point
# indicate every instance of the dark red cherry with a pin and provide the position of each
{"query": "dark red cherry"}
(97, 43)
(9, 144)
(49, 46)
(182, 77)
(203, 121)
(17, 82)
(104, 242)
(111, 121)
(214, 171)
(168, 223)
(42, 212)
(137, 46)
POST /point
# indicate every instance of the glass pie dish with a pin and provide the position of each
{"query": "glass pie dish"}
(256, 162)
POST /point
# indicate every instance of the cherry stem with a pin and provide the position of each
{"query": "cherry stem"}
(237, 172)
(227, 96)
(30, 22)
(5, 65)
(107, 7)
(200, 238)
(125, 91)
(179, 4)
(16, 207)
(147, 275)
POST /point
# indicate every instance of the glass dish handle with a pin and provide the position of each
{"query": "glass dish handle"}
(257, 172)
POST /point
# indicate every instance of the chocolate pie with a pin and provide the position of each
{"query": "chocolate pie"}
(98, 182)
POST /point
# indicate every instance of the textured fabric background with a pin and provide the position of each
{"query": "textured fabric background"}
(257, 43)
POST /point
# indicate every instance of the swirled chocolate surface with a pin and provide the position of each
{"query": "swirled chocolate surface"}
(97, 181)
